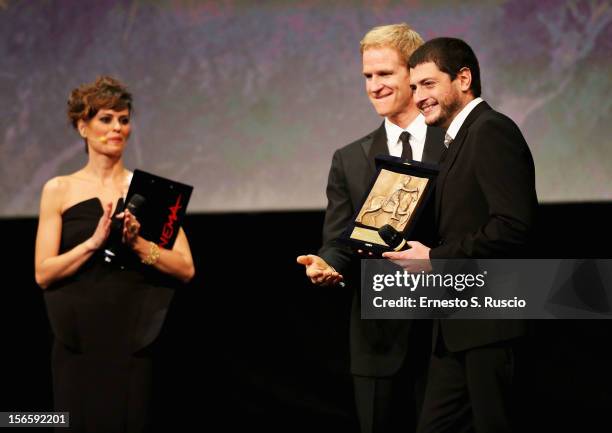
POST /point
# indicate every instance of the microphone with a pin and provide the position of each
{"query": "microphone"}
(135, 204)
(393, 238)
(114, 244)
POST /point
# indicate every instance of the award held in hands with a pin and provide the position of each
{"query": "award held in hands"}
(399, 192)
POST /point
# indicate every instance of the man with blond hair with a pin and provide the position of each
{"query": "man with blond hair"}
(388, 357)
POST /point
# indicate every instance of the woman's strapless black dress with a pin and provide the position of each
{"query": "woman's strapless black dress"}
(104, 319)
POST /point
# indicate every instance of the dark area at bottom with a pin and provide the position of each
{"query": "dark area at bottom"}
(249, 343)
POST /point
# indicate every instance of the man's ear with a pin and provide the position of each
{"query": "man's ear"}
(465, 79)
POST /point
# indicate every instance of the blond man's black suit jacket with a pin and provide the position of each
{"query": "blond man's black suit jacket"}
(378, 347)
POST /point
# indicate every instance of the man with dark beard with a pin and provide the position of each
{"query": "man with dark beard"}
(485, 208)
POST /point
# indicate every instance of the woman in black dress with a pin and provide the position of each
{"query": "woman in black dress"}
(104, 316)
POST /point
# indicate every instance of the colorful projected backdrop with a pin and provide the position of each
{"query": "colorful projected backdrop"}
(248, 100)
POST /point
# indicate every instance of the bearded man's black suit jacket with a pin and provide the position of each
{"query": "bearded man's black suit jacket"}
(485, 208)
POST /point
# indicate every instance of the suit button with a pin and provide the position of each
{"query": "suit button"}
(440, 242)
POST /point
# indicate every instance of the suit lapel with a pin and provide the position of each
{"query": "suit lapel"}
(434, 145)
(376, 146)
(453, 151)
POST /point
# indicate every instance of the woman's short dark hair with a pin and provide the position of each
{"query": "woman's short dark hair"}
(450, 56)
(105, 93)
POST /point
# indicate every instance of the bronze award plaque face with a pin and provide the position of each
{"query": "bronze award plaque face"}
(392, 200)
(396, 198)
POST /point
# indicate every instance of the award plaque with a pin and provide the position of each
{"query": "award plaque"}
(397, 196)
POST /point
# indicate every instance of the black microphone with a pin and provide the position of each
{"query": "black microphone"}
(114, 244)
(393, 238)
(135, 204)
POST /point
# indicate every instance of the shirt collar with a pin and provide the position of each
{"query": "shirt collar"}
(455, 125)
(417, 129)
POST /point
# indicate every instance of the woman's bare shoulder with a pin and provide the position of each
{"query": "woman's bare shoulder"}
(61, 190)
(57, 185)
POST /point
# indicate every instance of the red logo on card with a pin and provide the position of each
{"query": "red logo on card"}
(168, 229)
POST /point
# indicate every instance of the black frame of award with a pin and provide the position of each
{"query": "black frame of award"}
(397, 195)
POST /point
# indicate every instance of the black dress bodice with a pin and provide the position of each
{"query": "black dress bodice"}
(105, 307)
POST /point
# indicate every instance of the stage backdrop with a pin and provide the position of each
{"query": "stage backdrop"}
(248, 100)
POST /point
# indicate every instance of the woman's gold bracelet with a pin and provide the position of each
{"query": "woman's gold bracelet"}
(153, 256)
